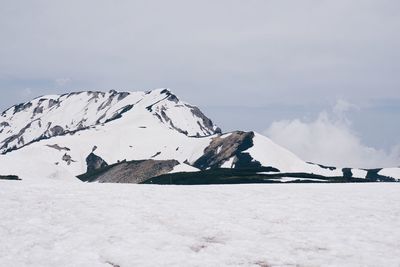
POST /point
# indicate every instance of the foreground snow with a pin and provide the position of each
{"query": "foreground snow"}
(74, 224)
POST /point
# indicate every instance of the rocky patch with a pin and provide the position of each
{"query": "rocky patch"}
(155, 155)
(57, 130)
(10, 177)
(373, 174)
(59, 148)
(207, 126)
(221, 149)
(95, 162)
(4, 124)
(323, 166)
(67, 158)
(7, 143)
(21, 107)
(118, 114)
(135, 172)
(38, 110)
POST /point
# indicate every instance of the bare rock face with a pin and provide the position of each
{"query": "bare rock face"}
(221, 149)
(67, 158)
(135, 172)
(207, 125)
(57, 130)
(59, 148)
(95, 162)
(10, 177)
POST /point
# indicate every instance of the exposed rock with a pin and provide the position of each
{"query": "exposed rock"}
(118, 114)
(52, 103)
(112, 264)
(122, 95)
(150, 108)
(6, 142)
(67, 158)
(165, 91)
(57, 130)
(94, 162)
(221, 149)
(155, 155)
(38, 110)
(347, 173)
(164, 118)
(108, 102)
(373, 174)
(59, 148)
(21, 107)
(323, 166)
(9, 177)
(130, 172)
(4, 124)
(208, 127)
(245, 161)
(21, 140)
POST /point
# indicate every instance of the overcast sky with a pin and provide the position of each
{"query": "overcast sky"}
(249, 64)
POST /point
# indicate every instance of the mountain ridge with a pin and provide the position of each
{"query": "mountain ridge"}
(110, 106)
(54, 136)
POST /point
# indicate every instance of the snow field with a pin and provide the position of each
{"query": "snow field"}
(74, 224)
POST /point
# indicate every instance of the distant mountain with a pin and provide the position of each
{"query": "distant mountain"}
(146, 137)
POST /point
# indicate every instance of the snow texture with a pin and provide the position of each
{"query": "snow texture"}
(76, 224)
(391, 172)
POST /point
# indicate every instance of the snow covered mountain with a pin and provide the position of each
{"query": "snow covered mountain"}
(144, 137)
(54, 115)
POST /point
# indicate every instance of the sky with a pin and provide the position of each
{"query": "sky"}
(279, 67)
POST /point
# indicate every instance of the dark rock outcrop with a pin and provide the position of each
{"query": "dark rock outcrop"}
(373, 174)
(347, 173)
(67, 158)
(10, 177)
(94, 162)
(57, 130)
(135, 172)
(245, 176)
(221, 149)
(118, 114)
(4, 124)
(21, 107)
(59, 148)
(208, 125)
(323, 166)
(5, 143)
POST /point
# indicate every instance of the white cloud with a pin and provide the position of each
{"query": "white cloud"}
(330, 140)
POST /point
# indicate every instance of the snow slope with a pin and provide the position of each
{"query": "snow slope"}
(76, 224)
(271, 154)
(391, 172)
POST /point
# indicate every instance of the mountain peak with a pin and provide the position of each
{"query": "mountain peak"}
(54, 115)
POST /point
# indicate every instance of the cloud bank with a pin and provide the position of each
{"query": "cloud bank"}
(330, 140)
